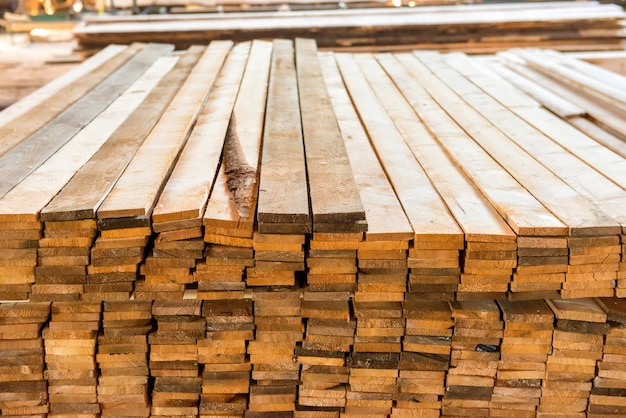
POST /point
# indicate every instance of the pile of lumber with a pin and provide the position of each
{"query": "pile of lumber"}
(474, 28)
(264, 229)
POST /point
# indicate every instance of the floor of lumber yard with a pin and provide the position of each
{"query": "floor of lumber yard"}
(26, 65)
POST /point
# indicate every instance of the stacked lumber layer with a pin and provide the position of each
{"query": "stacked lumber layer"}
(476, 340)
(70, 340)
(579, 93)
(174, 367)
(475, 28)
(577, 345)
(222, 354)
(608, 390)
(23, 386)
(511, 358)
(526, 343)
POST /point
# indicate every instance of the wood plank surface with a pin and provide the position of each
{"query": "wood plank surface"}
(283, 190)
(514, 203)
(384, 214)
(324, 146)
(243, 145)
(46, 182)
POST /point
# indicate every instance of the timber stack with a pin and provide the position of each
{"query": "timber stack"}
(473, 28)
(261, 229)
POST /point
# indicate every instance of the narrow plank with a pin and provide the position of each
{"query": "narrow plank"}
(332, 190)
(514, 203)
(581, 215)
(136, 191)
(385, 217)
(84, 193)
(32, 194)
(425, 211)
(29, 154)
(186, 192)
(283, 192)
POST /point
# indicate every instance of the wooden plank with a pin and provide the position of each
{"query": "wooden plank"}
(607, 139)
(29, 154)
(332, 190)
(283, 191)
(186, 192)
(136, 191)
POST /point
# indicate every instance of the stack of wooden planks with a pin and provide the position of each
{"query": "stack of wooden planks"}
(177, 382)
(264, 229)
(123, 386)
(503, 359)
(22, 382)
(476, 28)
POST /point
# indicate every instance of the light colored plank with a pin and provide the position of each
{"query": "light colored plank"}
(30, 196)
(84, 193)
(583, 309)
(332, 190)
(136, 191)
(514, 203)
(601, 136)
(186, 192)
(385, 217)
(478, 219)
(581, 215)
(425, 210)
(283, 191)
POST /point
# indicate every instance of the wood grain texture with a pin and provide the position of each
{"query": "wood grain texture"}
(283, 190)
(332, 190)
